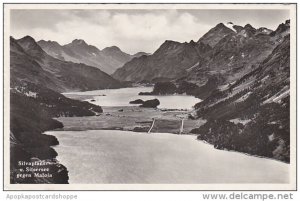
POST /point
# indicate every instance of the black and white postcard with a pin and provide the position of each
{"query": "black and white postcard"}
(150, 96)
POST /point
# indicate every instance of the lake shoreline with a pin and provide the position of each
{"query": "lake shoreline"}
(186, 134)
(247, 154)
(131, 118)
(77, 123)
(112, 136)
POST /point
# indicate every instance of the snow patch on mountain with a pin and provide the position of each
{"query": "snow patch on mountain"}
(241, 121)
(192, 67)
(23, 90)
(244, 97)
(230, 26)
(31, 94)
(271, 137)
(278, 96)
(223, 87)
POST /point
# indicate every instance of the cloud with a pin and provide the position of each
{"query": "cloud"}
(131, 30)
(47, 19)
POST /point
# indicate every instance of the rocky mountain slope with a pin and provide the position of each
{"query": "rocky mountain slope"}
(244, 81)
(169, 61)
(214, 35)
(225, 53)
(35, 82)
(32, 108)
(236, 54)
(32, 64)
(78, 51)
(253, 114)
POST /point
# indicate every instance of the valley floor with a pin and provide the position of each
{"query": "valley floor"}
(133, 118)
(137, 119)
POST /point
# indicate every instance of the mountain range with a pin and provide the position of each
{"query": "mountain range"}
(31, 63)
(226, 51)
(36, 82)
(167, 62)
(242, 76)
(78, 51)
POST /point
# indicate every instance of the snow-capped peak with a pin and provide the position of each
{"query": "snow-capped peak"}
(230, 26)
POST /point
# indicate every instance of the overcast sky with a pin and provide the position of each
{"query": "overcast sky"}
(133, 30)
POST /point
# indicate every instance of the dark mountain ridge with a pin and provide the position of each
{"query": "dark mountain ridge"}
(214, 35)
(253, 114)
(67, 76)
(170, 60)
(78, 51)
(228, 51)
(235, 55)
(35, 82)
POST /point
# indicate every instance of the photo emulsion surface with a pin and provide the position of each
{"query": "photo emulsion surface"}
(150, 96)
